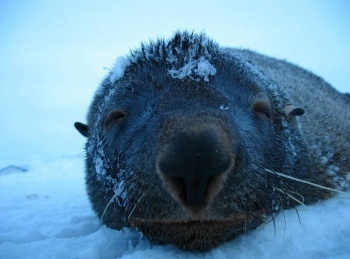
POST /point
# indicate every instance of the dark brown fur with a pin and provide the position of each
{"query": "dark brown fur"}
(181, 146)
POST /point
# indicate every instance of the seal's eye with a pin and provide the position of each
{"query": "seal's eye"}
(113, 117)
(263, 109)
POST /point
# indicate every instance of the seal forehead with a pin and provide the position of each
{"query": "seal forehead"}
(185, 55)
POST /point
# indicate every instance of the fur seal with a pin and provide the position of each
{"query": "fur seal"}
(193, 144)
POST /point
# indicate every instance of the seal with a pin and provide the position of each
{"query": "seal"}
(194, 144)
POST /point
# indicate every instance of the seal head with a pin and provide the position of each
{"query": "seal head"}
(180, 141)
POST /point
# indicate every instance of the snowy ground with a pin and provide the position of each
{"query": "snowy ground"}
(45, 213)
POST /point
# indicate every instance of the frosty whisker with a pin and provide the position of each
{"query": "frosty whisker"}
(290, 196)
(306, 182)
(108, 204)
(135, 206)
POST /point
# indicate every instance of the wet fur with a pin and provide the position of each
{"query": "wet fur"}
(122, 180)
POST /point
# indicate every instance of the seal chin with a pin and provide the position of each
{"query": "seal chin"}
(195, 235)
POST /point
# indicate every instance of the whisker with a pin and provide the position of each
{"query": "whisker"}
(285, 224)
(135, 206)
(290, 196)
(301, 196)
(108, 204)
(296, 210)
(274, 225)
(306, 182)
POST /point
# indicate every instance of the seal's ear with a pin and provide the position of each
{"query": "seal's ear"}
(291, 110)
(82, 128)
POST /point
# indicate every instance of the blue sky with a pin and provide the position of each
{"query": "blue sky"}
(53, 54)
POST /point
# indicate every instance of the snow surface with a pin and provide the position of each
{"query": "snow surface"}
(45, 213)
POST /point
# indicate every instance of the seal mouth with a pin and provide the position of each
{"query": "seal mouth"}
(196, 235)
(238, 219)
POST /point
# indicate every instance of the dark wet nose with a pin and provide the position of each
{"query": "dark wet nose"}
(193, 164)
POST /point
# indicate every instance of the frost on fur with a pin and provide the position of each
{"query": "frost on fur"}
(185, 55)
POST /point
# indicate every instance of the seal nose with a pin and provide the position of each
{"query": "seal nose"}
(193, 164)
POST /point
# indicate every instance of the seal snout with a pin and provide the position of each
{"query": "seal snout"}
(194, 165)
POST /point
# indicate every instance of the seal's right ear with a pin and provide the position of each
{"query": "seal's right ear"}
(82, 128)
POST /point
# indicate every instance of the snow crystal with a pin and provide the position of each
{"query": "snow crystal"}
(224, 108)
(99, 165)
(194, 69)
(119, 67)
(171, 58)
(323, 160)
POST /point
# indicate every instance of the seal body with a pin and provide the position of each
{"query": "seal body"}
(193, 144)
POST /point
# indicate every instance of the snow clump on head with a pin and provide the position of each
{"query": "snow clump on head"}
(118, 70)
(185, 55)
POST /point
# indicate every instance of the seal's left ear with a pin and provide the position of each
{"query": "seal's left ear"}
(291, 110)
(82, 128)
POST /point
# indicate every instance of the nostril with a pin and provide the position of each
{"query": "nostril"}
(179, 187)
(196, 192)
(190, 191)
